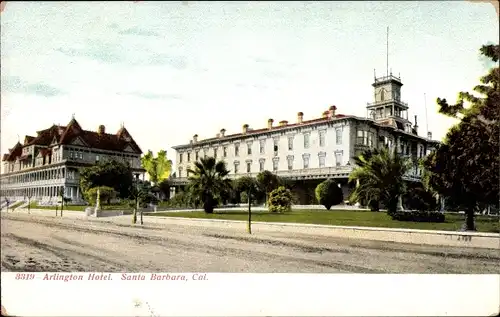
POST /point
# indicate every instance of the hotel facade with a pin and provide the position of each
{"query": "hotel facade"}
(43, 165)
(315, 149)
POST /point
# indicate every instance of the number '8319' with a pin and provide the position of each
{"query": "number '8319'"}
(25, 276)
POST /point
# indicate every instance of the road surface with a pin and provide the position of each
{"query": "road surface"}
(41, 243)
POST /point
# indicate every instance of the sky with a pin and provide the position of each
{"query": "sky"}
(169, 70)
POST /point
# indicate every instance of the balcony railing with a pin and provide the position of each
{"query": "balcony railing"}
(380, 103)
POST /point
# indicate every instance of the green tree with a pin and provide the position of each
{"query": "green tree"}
(280, 200)
(112, 173)
(379, 176)
(328, 193)
(164, 188)
(268, 182)
(242, 186)
(465, 167)
(158, 168)
(209, 182)
(106, 193)
(248, 187)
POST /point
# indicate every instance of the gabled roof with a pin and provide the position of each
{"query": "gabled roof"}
(13, 153)
(65, 135)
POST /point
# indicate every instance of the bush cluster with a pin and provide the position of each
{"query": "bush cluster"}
(280, 200)
(417, 216)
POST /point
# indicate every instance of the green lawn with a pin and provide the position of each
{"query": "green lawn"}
(342, 218)
(80, 207)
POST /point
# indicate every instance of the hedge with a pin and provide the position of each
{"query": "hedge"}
(417, 216)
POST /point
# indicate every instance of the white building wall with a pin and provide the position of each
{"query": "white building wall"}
(329, 148)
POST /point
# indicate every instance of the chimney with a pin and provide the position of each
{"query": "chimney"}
(270, 124)
(416, 124)
(101, 129)
(222, 133)
(325, 114)
(195, 138)
(217, 135)
(300, 117)
(331, 112)
(283, 123)
(429, 135)
(245, 128)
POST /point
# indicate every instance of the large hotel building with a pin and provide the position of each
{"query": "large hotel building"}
(318, 148)
(44, 164)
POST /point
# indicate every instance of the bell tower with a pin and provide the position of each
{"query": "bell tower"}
(387, 107)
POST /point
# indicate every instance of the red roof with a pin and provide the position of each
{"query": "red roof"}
(57, 135)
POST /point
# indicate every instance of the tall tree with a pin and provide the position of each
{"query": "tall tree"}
(209, 182)
(268, 182)
(114, 174)
(158, 168)
(465, 167)
(379, 176)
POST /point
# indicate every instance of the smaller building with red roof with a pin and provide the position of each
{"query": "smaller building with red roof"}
(50, 161)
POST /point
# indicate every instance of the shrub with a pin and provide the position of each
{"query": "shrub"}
(280, 200)
(329, 194)
(107, 193)
(420, 199)
(417, 216)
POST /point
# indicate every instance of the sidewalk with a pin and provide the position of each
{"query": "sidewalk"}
(412, 236)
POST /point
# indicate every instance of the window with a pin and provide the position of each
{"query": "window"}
(249, 167)
(306, 140)
(180, 171)
(338, 159)
(71, 154)
(215, 153)
(290, 162)
(275, 165)
(224, 151)
(262, 146)
(236, 167)
(205, 151)
(338, 136)
(81, 155)
(275, 147)
(180, 158)
(306, 161)
(370, 139)
(321, 161)
(189, 157)
(321, 138)
(261, 165)
(362, 137)
(290, 143)
(249, 148)
(97, 158)
(236, 150)
(196, 155)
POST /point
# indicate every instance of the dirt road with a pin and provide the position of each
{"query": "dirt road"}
(40, 243)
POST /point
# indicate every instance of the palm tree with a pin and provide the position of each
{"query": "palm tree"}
(379, 176)
(208, 182)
